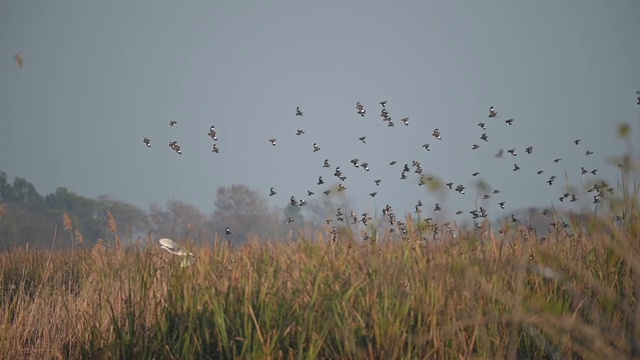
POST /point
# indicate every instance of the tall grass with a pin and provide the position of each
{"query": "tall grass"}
(480, 296)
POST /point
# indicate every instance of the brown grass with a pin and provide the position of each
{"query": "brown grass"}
(493, 296)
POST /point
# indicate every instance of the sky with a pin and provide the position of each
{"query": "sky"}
(99, 76)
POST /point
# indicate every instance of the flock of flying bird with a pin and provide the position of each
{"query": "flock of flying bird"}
(599, 188)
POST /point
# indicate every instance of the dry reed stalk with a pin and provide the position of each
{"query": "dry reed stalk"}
(68, 225)
(79, 237)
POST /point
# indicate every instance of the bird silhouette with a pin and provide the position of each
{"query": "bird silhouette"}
(175, 147)
(213, 133)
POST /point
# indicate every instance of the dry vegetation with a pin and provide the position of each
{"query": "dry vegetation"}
(491, 296)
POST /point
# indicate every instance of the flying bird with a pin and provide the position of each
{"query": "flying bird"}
(215, 149)
(147, 142)
(298, 111)
(175, 147)
(363, 139)
(492, 112)
(299, 132)
(171, 246)
(19, 60)
(436, 134)
(213, 133)
(509, 121)
(272, 141)
(405, 120)
(316, 147)
(383, 103)
(173, 123)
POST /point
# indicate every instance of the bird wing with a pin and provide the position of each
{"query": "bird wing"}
(171, 246)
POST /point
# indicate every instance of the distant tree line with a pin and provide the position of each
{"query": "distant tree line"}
(27, 217)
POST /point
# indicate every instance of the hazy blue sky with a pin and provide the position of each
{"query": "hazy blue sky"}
(99, 76)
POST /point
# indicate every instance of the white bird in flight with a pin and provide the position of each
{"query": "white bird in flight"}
(171, 246)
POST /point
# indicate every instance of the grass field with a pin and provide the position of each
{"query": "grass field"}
(483, 295)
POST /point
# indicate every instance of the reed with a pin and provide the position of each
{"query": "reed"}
(482, 295)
